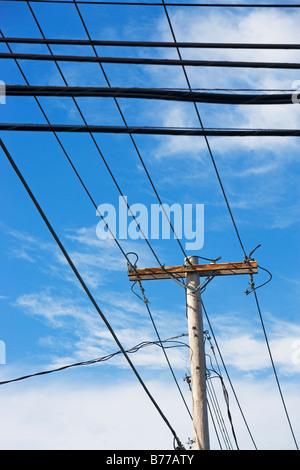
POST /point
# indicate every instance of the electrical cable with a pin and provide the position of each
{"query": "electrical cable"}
(274, 370)
(93, 138)
(140, 130)
(150, 93)
(130, 135)
(218, 414)
(85, 288)
(205, 134)
(214, 424)
(225, 394)
(154, 44)
(146, 302)
(97, 208)
(152, 61)
(228, 377)
(97, 360)
(69, 159)
(169, 4)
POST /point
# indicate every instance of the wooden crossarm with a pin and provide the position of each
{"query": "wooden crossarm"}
(204, 270)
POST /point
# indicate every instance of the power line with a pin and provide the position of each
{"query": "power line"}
(131, 137)
(89, 193)
(91, 134)
(274, 369)
(154, 44)
(151, 61)
(169, 4)
(69, 160)
(227, 375)
(204, 133)
(240, 241)
(146, 302)
(218, 414)
(140, 130)
(150, 93)
(170, 342)
(85, 288)
(92, 137)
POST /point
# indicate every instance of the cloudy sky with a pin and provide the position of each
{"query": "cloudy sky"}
(46, 319)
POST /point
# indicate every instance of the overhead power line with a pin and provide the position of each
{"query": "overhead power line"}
(151, 61)
(140, 130)
(154, 44)
(228, 377)
(85, 288)
(170, 344)
(212, 158)
(274, 371)
(151, 93)
(135, 146)
(169, 4)
(84, 185)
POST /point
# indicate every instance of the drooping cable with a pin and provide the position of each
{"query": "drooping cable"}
(170, 344)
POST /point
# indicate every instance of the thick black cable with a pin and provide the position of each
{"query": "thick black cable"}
(169, 4)
(150, 93)
(227, 374)
(274, 369)
(151, 61)
(140, 130)
(84, 286)
(165, 44)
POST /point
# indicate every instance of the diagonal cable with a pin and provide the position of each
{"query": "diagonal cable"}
(84, 286)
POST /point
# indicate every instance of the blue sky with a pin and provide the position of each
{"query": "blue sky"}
(47, 321)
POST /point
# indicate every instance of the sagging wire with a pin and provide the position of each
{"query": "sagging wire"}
(134, 349)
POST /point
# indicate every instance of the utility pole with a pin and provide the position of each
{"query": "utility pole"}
(191, 271)
(197, 357)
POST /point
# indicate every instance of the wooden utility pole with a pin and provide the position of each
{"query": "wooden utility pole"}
(192, 272)
(197, 358)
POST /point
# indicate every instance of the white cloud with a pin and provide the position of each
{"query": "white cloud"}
(244, 347)
(252, 26)
(60, 416)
